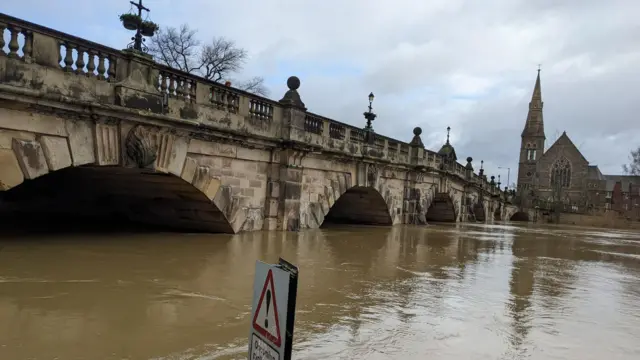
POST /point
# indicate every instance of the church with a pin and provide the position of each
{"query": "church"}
(562, 173)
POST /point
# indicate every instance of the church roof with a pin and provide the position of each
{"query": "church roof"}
(564, 140)
(594, 173)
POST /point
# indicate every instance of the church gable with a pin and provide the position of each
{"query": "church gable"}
(564, 154)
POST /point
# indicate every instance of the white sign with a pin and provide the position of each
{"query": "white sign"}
(260, 350)
(272, 312)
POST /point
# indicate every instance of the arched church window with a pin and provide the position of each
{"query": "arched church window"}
(531, 152)
(561, 173)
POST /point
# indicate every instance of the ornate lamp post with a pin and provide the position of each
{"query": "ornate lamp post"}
(369, 115)
(481, 174)
(142, 27)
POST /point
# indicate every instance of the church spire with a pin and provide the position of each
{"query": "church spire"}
(534, 125)
(537, 93)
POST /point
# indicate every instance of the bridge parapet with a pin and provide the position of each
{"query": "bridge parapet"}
(105, 77)
(275, 163)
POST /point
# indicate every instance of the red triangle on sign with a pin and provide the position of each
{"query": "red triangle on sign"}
(265, 320)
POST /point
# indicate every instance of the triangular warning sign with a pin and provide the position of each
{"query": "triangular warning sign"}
(265, 320)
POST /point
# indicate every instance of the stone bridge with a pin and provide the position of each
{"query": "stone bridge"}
(87, 130)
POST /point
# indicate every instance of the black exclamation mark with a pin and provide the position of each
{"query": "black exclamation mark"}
(266, 318)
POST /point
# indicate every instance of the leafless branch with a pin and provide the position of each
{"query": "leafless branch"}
(177, 48)
(633, 168)
(254, 85)
(217, 60)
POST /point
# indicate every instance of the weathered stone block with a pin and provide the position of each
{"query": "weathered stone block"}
(213, 149)
(212, 189)
(171, 154)
(189, 169)
(107, 144)
(272, 208)
(56, 152)
(32, 122)
(7, 136)
(31, 158)
(10, 172)
(273, 189)
(202, 179)
(292, 190)
(81, 141)
(255, 183)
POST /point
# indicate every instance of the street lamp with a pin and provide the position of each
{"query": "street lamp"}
(369, 115)
(508, 173)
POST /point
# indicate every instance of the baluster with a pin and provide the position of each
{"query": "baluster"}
(91, 63)
(68, 59)
(112, 68)
(163, 83)
(192, 91)
(236, 103)
(172, 84)
(180, 87)
(27, 49)
(13, 42)
(2, 43)
(80, 61)
(60, 45)
(270, 112)
(101, 68)
(251, 106)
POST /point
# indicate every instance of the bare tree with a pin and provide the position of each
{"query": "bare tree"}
(633, 168)
(217, 60)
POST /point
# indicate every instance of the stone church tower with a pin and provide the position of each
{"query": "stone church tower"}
(532, 140)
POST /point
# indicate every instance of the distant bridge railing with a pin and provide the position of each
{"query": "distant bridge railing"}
(51, 64)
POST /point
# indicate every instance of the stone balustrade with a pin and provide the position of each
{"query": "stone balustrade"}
(64, 67)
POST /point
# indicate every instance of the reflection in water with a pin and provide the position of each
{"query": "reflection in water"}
(445, 292)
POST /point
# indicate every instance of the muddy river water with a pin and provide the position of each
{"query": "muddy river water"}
(438, 292)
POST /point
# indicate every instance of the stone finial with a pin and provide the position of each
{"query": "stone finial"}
(493, 180)
(417, 141)
(481, 173)
(469, 166)
(291, 97)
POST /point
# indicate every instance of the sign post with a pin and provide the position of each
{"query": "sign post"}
(275, 289)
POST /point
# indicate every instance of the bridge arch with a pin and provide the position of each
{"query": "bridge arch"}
(360, 205)
(519, 216)
(147, 178)
(441, 209)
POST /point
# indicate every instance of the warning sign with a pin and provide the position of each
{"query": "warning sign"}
(273, 311)
(265, 320)
(260, 350)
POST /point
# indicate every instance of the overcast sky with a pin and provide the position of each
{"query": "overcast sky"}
(469, 64)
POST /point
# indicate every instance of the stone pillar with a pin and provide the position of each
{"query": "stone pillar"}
(137, 79)
(282, 210)
(414, 205)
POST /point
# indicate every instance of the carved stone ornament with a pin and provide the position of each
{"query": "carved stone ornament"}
(372, 174)
(140, 147)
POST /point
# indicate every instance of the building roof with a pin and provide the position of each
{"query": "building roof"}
(594, 173)
(625, 180)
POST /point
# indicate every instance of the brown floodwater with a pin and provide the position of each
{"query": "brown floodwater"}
(438, 292)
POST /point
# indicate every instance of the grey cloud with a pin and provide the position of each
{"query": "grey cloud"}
(420, 57)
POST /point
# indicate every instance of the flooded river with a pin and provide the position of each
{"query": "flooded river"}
(439, 292)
